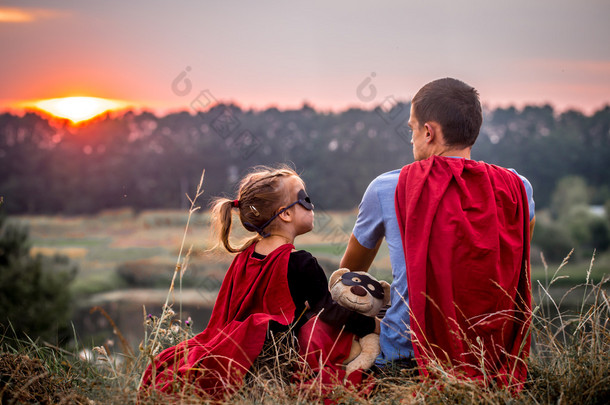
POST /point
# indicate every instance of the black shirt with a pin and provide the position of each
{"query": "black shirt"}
(307, 283)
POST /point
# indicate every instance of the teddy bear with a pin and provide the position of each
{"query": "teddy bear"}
(360, 292)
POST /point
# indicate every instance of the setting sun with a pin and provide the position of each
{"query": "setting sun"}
(78, 109)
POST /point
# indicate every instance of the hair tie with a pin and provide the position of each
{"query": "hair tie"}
(236, 203)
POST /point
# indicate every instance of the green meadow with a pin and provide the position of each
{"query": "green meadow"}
(108, 245)
(127, 261)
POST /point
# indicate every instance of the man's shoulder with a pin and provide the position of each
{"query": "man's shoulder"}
(529, 191)
(380, 191)
(500, 169)
(385, 180)
(512, 171)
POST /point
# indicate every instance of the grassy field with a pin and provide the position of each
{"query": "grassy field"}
(121, 251)
(102, 244)
(126, 261)
(569, 363)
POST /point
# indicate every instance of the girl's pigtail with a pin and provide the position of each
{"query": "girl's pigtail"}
(221, 223)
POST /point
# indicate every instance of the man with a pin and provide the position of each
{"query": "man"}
(458, 233)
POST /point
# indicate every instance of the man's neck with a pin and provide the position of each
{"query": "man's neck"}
(460, 153)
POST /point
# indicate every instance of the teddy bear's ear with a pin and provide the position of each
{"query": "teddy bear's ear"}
(386, 292)
(336, 276)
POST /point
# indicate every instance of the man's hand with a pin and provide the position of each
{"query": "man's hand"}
(357, 257)
(532, 224)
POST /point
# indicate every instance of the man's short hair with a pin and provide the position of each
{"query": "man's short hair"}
(455, 106)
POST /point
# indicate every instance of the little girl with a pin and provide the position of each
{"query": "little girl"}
(268, 287)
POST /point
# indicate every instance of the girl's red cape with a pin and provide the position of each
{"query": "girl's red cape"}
(254, 292)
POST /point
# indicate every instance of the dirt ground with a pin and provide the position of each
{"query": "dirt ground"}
(26, 380)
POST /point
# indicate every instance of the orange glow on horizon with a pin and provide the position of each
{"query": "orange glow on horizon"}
(15, 15)
(78, 109)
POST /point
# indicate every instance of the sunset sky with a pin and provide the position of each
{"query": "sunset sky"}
(264, 53)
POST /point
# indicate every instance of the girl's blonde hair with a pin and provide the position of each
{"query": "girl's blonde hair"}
(261, 193)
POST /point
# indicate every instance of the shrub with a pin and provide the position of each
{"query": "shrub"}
(553, 240)
(588, 230)
(35, 299)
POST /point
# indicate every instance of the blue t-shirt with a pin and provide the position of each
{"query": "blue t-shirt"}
(377, 219)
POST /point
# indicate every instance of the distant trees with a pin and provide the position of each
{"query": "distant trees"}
(145, 161)
(546, 147)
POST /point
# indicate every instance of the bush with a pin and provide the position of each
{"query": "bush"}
(571, 191)
(150, 273)
(35, 299)
(553, 240)
(588, 230)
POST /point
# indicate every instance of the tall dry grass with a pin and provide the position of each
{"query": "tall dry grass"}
(569, 364)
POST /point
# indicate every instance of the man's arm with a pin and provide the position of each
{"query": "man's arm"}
(532, 224)
(357, 257)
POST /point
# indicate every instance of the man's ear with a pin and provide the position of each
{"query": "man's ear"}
(336, 276)
(386, 292)
(433, 131)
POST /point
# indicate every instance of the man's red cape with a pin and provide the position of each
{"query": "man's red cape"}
(465, 232)
(254, 292)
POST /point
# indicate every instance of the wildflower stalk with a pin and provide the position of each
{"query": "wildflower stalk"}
(582, 307)
(177, 270)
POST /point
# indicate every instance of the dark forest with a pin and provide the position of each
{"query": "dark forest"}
(144, 161)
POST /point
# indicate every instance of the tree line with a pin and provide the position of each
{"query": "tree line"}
(144, 161)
